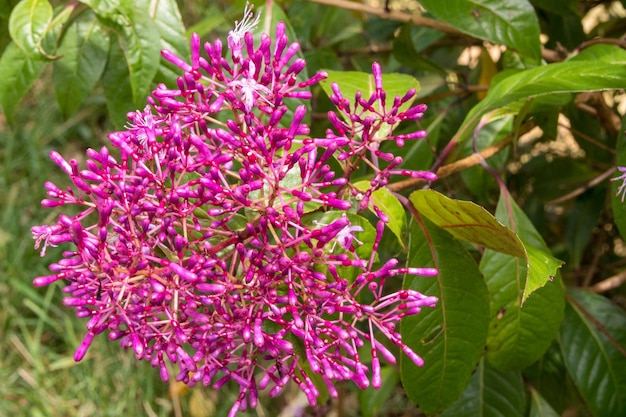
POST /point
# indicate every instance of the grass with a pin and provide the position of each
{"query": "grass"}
(37, 334)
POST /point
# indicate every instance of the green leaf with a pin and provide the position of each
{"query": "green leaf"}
(116, 83)
(83, 52)
(170, 25)
(491, 394)
(606, 71)
(508, 22)
(18, 72)
(141, 45)
(593, 341)
(518, 336)
(539, 407)
(467, 221)
(28, 23)
(451, 337)
(372, 400)
(389, 205)
(542, 266)
(404, 51)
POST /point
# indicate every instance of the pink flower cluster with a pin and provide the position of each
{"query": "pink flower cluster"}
(223, 239)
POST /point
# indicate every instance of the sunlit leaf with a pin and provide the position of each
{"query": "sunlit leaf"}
(508, 22)
(28, 23)
(467, 221)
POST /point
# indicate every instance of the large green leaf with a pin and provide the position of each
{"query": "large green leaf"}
(607, 70)
(467, 221)
(141, 45)
(18, 72)
(117, 90)
(170, 25)
(518, 336)
(491, 393)
(508, 22)
(593, 343)
(139, 38)
(83, 52)
(28, 23)
(451, 337)
(527, 301)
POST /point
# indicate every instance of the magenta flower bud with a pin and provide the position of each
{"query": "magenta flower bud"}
(377, 71)
(182, 272)
(83, 347)
(60, 161)
(174, 59)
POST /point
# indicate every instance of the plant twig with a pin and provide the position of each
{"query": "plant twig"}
(464, 163)
(609, 283)
(393, 15)
(588, 185)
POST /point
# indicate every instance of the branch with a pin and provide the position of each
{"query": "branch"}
(470, 161)
(393, 15)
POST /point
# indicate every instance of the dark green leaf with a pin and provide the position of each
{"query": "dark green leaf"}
(18, 72)
(508, 22)
(607, 71)
(451, 337)
(116, 83)
(467, 221)
(518, 335)
(28, 23)
(491, 394)
(539, 407)
(593, 342)
(141, 45)
(170, 25)
(83, 55)
(404, 51)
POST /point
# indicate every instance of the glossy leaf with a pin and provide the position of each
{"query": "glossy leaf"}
(518, 335)
(606, 71)
(391, 206)
(451, 337)
(593, 344)
(171, 29)
(18, 72)
(116, 83)
(83, 54)
(28, 23)
(508, 22)
(467, 221)
(142, 49)
(491, 393)
(372, 400)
